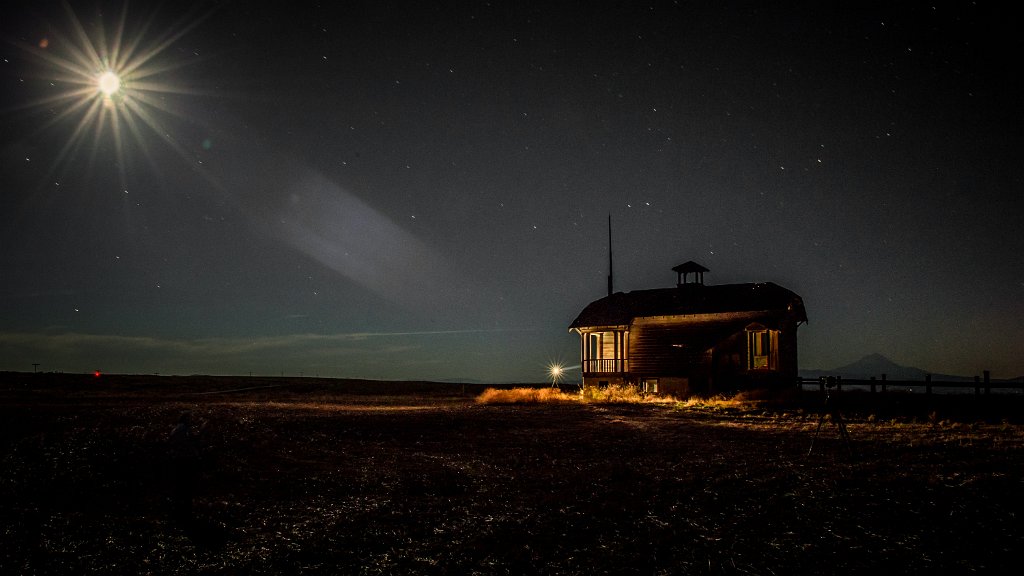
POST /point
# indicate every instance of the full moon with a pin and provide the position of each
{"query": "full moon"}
(108, 83)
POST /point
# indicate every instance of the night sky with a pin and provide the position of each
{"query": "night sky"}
(421, 191)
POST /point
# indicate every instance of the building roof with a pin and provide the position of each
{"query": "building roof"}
(620, 308)
(690, 266)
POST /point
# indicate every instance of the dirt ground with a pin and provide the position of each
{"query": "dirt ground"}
(333, 477)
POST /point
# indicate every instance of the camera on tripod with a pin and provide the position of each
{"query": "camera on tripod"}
(830, 409)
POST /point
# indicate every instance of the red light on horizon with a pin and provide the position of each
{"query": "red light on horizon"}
(97, 373)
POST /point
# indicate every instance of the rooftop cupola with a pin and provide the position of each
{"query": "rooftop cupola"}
(691, 267)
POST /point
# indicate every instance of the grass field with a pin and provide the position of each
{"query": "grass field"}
(347, 477)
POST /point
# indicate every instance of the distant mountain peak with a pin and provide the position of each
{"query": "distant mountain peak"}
(878, 360)
(874, 365)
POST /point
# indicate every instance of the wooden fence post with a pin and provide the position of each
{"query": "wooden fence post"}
(928, 384)
(988, 384)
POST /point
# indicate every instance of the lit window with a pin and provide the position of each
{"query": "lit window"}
(762, 349)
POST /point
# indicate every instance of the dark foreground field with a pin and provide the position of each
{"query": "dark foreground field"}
(367, 478)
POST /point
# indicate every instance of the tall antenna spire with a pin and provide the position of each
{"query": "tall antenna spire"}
(609, 254)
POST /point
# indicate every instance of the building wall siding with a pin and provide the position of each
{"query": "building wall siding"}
(716, 360)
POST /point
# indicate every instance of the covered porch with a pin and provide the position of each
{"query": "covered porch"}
(604, 355)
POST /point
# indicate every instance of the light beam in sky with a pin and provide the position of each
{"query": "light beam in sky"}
(108, 86)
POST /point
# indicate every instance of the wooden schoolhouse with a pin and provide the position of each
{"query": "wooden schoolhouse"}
(694, 338)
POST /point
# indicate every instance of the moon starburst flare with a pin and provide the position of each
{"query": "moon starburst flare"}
(108, 83)
(107, 86)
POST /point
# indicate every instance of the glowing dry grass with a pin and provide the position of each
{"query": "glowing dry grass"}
(716, 402)
(618, 394)
(525, 396)
(609, 395)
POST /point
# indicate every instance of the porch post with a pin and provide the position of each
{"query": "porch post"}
(584, 338)
(618, 350)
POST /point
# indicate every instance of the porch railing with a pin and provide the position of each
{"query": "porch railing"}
(605, 365)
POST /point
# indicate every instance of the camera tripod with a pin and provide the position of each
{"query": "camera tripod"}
(831, 408)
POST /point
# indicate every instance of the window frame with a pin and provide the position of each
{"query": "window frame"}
(762, 349)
